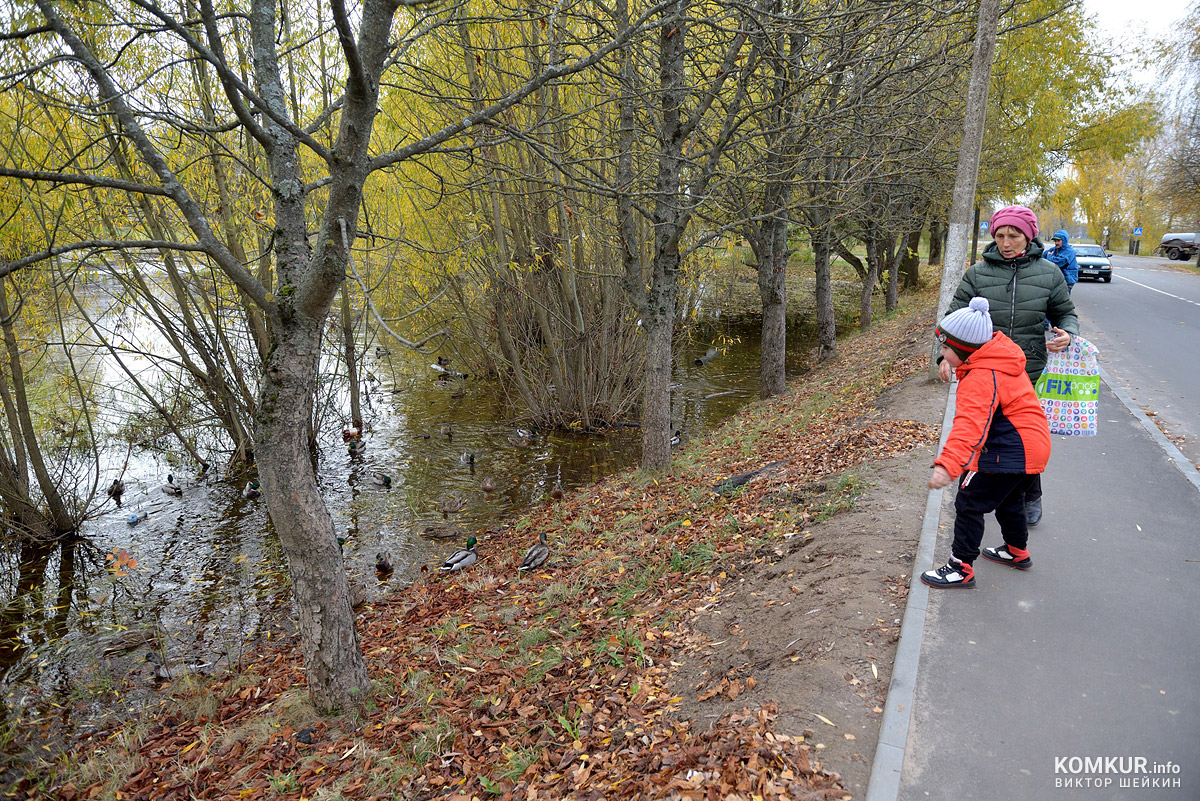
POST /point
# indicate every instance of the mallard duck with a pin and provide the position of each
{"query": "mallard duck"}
(356, 447)
(116, 490)
(251, 490)
(487, 484)
(136, 517)
(451, 505)
(556, 492)
(381, 352)
(536, 555)
(383, 564)
(170, 487)
(443, 531)
(675, 437)
(358, 593)
(466, 458)
(382, 479)
(462, 559)
(128, 640)
(523, 436)
(447, 373)
(161, 671)
(446, 430)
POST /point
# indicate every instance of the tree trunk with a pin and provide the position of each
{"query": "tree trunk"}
(349, 353)
(772, 280)
(336, 671)
(892, 293)
(22, 428)
(866, 296)
(659, 318)
(910, 264)
(936, 240)
(968, 159)
(826, 314)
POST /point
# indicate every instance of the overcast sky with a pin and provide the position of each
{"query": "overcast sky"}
(1155, 17)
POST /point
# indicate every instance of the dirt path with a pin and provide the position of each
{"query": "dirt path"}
(811, 624)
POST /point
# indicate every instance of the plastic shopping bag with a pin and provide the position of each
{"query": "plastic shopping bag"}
(1069, 389)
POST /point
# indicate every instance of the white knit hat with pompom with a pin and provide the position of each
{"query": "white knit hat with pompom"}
(967, 329)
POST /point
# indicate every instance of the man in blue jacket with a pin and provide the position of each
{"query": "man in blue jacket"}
(1063, 255)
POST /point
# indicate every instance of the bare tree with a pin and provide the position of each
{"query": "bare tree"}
(315, 191)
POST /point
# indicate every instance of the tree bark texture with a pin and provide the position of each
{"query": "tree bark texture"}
(826, 314)
(772, 290)
(968, 156)
(659, 317)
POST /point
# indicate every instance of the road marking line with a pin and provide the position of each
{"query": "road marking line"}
(1159, 291)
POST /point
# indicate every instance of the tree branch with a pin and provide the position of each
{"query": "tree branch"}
(95, 244)
(49, 176)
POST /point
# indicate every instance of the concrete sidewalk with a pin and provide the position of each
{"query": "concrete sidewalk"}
(1026, 686)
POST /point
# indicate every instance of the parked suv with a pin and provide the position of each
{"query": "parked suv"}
(1179, 246)
(1093, 262)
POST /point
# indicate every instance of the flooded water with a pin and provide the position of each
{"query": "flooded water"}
(210, 576)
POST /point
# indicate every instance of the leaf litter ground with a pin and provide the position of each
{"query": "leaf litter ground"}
(679, 644)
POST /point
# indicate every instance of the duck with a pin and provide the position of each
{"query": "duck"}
(447, 373)
(446, 430)
(356, 447)
(536, 555)
(358, 593)
(556, 492)
(676, 437)
(522, 437)
(116, 489)
(487, 484)
(251, 490)
(382, 479)
(451, 505)
(129, 640)
(462, 559)
(381, 352)
(136, 517)
(159, 670)
(466, 458)
(383, 564)
(170, 487)
(443, 531)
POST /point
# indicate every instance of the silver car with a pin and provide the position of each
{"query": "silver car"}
(1093, 263)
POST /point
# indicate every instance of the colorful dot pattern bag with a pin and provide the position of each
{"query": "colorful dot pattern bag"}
(1069, 389)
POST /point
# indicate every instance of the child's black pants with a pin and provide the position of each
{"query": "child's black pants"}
(980, 493)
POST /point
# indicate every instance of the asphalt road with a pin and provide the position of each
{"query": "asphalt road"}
(1146, 324)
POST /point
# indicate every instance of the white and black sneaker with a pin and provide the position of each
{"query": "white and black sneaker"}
(1002, 555)
(953, 574)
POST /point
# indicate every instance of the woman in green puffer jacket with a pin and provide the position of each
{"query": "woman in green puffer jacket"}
(1023, 291)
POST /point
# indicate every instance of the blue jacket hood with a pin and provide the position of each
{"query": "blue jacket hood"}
(1062, 234)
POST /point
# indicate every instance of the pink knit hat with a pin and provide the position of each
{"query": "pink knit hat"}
(1018, 217)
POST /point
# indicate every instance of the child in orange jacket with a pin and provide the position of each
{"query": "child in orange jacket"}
(998, 442)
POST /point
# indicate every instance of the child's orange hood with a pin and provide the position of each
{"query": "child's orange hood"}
(1000, 354)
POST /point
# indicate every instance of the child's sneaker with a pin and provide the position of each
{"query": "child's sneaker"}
(950, 575)
(1014, 557)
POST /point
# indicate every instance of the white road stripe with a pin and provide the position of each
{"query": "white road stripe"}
(1159, 291)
